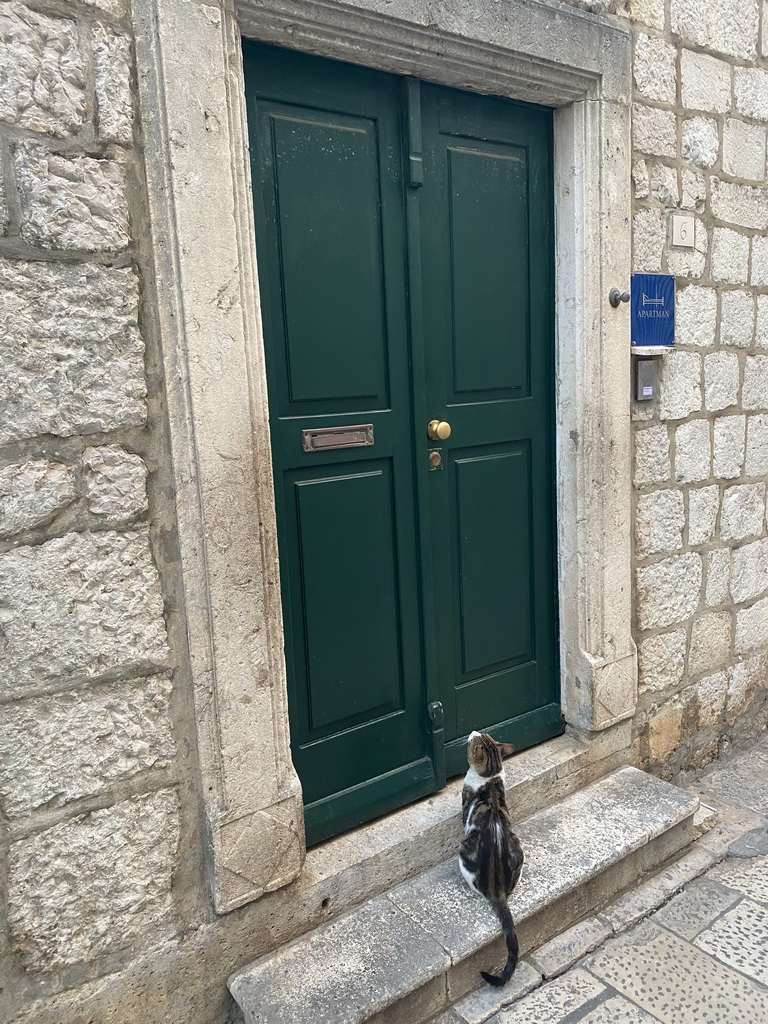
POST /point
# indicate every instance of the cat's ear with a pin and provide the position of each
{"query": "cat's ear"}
(506, 749)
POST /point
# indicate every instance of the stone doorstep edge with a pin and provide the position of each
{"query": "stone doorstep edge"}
(440, 967)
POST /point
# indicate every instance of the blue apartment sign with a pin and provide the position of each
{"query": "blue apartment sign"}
(653, 310)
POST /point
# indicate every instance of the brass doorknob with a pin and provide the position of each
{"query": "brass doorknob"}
(438, 430)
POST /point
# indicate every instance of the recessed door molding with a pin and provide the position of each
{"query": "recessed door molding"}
(203, 298)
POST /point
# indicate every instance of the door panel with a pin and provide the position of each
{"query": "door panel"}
(488, 299)
(387, 303)
(488, 214)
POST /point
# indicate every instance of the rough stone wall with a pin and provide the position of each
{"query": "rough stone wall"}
(90, 804)
(701, 449)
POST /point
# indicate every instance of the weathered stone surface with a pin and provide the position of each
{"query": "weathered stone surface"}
(640, 179)
(743, 511)
(668, 591)
(696, 907)
(664, 727)
(694, 191)
(93, 884)
(552, 1002)
(114, 7)
(681, 392)
(752, 627)
(664, 185)
(115, 482)
(751, 844)
(111, 66)
(71, 203)
(72, 356)
(647, 240)
(718, 569)
(33, 493)
(42, 81)
(703, 505)
(721, 380)
(755, 392)
(744, 150)
(653, 131)
(696, 316)
(662, 660)
(659, 522)
(565, 949)
(750, 86)
(730, 256)
(744, 680)
(737, 318)
(749, 571)
(729, 26)
(706, 82)
(80, 605)
(479, 1005)
(4, 215)
(728, 447)
(652, 465)
(757, 446)
(739, 204)
(56, 749)
(710, 643)
(654, 68)
(759, 275)
(761, 321)
(647, 12)
(693, 451)
(700, 141)
(711, 691)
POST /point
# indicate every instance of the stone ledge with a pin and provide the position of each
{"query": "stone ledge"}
(580, 853)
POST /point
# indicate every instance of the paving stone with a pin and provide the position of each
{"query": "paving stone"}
(695, 908)
(747, 876)
(479, 1005)
(565, 949)
(344, 972)
(642, 900)
(675, 981)
(550, 1003)
(738, 939)
(751, 844)
(615, 1010)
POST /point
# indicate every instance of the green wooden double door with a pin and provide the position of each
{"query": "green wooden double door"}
(404, 235)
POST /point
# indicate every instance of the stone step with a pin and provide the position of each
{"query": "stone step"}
(404, 955)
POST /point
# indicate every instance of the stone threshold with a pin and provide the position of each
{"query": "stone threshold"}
(367, 861)
(408, 954)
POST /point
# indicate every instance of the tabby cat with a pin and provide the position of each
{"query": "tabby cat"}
(490, 857)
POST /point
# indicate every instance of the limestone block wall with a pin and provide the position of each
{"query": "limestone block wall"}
(700, 111)
(90, 801)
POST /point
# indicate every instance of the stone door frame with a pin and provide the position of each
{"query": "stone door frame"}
(204, 292)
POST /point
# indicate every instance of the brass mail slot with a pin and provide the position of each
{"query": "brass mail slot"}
(324, 438)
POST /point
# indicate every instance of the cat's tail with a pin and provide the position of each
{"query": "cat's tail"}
(508, 927)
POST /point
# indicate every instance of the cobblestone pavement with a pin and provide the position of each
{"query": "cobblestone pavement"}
(700, 958)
